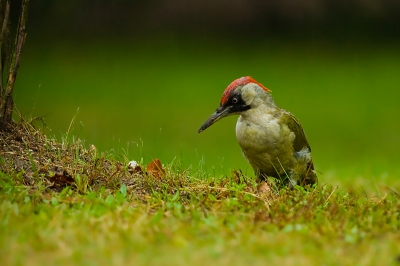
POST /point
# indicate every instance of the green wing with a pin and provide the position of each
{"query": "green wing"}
(300, 141)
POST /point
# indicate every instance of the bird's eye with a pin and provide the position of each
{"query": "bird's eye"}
(235, 100)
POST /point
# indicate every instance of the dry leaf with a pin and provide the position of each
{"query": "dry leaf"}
(264, 189)
(61, 178)
(155, 169)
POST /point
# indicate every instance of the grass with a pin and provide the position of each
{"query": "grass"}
(63, 203)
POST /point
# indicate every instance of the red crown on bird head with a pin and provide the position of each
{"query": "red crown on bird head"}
(239, 82)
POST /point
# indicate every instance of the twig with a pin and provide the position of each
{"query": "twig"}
(327, 199)
(19, 42)
(7, 104)
(3, 36)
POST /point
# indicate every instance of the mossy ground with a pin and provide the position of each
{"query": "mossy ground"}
(64, 203)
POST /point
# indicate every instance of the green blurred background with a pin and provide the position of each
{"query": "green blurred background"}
(145, 75)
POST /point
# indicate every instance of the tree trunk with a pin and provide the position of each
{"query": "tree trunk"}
(10, 56)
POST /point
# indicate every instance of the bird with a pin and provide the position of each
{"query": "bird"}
(271, 138)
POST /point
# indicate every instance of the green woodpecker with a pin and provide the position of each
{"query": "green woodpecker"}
(272, 139)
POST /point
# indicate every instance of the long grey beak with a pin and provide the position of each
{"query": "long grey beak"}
(217, 115)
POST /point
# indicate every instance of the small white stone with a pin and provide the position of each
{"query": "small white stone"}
(133, 164)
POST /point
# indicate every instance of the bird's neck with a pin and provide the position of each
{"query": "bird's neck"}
(264, 101)
(263, 105)
(263, 112)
